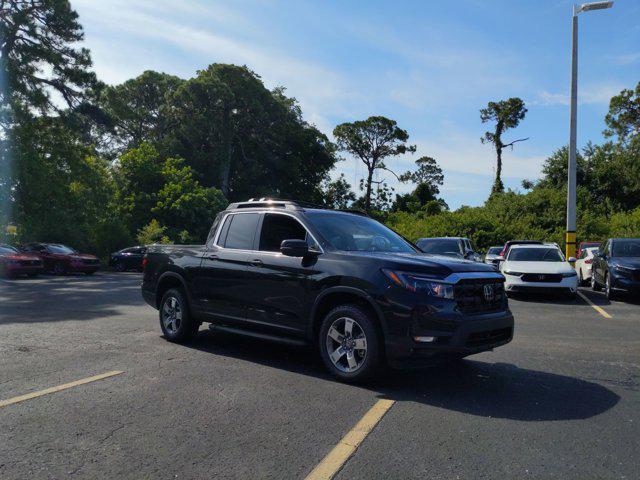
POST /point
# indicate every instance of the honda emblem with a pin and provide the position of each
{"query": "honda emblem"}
(488, 293)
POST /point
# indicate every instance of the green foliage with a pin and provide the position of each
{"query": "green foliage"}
(505, 114)
(151, 233)
(372, 141)
(623, 118)
(338, 194)
(38, 55)
(428, 178)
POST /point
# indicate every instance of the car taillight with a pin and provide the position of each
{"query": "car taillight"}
(145, 262)
(589, 261)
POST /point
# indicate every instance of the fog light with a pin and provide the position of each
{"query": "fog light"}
(425, 339)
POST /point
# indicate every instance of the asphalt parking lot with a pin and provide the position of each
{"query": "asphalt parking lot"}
(561, 401)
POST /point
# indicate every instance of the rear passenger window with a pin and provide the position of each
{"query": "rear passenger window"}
(240, 231)
(276, 228)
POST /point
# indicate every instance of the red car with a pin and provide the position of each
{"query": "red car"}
(61, 259)
(14, 263)
(586, 245)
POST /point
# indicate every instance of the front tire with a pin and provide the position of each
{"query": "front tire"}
(120, 267)
(59, 268)
(349, 344)
(594, 285)
(175, 319)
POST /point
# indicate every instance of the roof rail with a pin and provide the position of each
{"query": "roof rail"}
(265, 202)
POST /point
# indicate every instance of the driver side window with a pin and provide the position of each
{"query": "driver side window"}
(276, 228)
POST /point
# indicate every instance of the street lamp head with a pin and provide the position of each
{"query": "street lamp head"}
(585, 7)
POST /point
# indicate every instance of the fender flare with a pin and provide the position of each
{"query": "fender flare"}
(174, 275)
(350, 290)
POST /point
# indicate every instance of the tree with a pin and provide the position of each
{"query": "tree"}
(246, 140)
(338, 194)
(372, 141)
(428, 172)
(38, 55)
(506, 114)
(184, 206)
(151, 233)
(623, 118)
(137, 110)
(428, 178)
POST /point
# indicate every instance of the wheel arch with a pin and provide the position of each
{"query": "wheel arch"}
(170, 280)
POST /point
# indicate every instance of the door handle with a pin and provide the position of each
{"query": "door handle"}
(256, 262)
(211, 257)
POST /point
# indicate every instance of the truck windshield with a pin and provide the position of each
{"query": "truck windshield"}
(350, 232)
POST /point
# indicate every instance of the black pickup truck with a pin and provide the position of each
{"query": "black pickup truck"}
(337, 280)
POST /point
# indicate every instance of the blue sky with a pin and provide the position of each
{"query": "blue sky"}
(429, 65)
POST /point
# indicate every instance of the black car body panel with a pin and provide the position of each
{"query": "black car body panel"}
(128, 258)
(271, 293)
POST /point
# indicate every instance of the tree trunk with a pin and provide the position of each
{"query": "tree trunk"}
(225, 166)
(367, 198)
(498, 186)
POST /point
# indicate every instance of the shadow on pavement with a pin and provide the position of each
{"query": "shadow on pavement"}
(478, 388)
(69, 297)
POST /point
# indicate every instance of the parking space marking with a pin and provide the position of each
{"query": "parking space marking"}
(346, 447)
(46, 391)
(598, 309)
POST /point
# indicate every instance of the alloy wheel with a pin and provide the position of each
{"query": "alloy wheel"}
(346, 344)
(172, 315)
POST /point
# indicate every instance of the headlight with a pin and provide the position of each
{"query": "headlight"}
(622, 269)
(514, 274)
(572, 273)
(418, 283)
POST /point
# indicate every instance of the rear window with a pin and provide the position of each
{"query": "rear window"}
(239, 231)
(494, 251)
(440, 246)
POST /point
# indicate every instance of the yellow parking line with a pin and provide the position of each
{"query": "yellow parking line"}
(46, 391)
(333, 462)
(598, 309)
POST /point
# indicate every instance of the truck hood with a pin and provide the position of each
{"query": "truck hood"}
(426, 261)
(537, 267)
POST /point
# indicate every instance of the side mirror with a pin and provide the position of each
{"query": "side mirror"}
(572, 259)
(294, 248)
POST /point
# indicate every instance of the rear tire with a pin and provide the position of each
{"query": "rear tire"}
(343, 330)
(120, 267)
(594, 285)
(175, 318)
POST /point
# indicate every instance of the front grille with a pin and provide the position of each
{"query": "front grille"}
(542, 277)
(488, 338)
(471, 297)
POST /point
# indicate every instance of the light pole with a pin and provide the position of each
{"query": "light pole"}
(570, 238)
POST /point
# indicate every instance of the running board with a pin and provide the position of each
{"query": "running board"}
(262, 336)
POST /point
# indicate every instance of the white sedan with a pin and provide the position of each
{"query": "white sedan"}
(538, 268)
(584, 263)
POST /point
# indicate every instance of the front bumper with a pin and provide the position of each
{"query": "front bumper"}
(515, 284)
(625, 283)
(457, 334)
(83, 267)
(23, 269)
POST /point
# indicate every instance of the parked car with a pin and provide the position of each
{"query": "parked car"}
(538, 268)
(584, 263)
(457, 247)
(492, 257)
(617, 267)
(128, 259)
(61, 259)
(14, 263)
(510, 243)
(584, 245)
(340, 281)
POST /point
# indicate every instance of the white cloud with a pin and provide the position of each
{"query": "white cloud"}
(589, 95)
